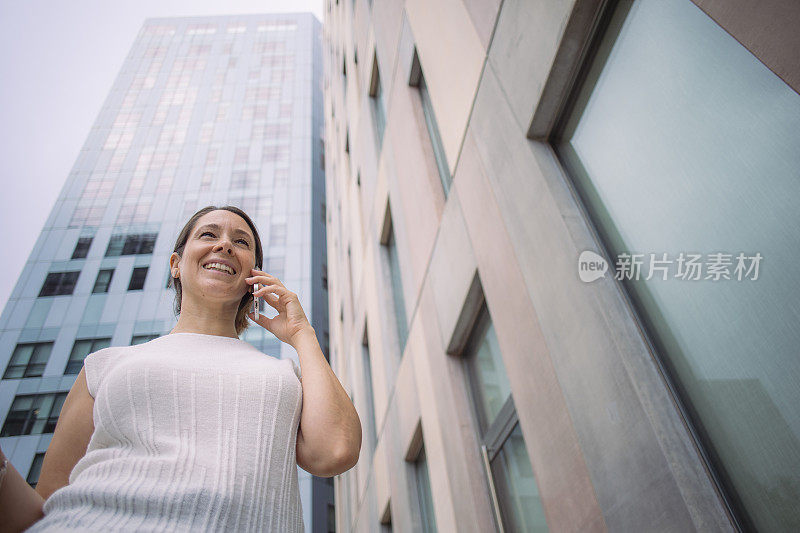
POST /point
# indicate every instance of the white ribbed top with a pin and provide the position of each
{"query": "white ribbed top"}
(192, 432)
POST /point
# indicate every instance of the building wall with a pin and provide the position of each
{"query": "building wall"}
(608, 441)
(233, 105)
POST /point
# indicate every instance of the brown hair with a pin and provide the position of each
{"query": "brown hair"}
(180, 244)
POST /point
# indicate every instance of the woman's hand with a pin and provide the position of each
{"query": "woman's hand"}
(291, 319)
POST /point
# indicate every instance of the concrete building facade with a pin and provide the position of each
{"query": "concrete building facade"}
(505, 381)
(205, 110)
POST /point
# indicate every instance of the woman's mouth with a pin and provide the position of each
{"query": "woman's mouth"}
(220, 268)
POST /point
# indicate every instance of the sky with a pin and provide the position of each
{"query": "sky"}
(58, 61)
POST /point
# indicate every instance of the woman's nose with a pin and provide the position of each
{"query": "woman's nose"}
(224, 245)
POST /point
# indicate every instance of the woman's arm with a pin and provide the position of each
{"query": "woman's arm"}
(329, 438)
(70, 439)
(20, 505)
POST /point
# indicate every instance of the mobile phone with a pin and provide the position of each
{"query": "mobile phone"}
(255, 300)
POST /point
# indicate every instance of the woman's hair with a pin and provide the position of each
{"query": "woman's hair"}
(180, 244)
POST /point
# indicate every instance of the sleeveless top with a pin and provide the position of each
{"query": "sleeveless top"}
(192, 432)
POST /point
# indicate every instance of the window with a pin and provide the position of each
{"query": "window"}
(376, 102)
(82, 248)
(396, 283)
(680, 140)
(331, 518)
(135, 244)
(103, 281)
(418, 80)
(344, 79)
(81, 349)
(141, 339)
(35, 470)
(386, 518)
(367, 369)
(423, 482)
(510, 473)
(28, 360)
(137, 279)
(33, 414)
(59, 283)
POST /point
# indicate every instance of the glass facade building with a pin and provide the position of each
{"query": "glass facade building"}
(205, 110)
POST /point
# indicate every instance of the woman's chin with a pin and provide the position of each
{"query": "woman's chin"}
(217, 293)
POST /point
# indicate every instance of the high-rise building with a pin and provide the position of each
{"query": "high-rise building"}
(474, 151)
(207, 110)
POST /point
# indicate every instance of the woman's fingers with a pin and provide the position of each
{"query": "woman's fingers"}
(269, 289)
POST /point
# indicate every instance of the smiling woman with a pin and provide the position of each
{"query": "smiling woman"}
(201, 231)
(195, 430)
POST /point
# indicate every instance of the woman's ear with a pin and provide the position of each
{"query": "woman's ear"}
(174, 261)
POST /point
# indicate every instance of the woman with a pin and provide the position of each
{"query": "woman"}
(195, 430)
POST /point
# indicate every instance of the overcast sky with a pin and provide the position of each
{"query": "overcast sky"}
(58, 60)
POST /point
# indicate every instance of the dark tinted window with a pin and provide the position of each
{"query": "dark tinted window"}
(137, 279)
(59, 283)
(82, 248)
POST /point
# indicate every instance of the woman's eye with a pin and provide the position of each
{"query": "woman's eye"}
(244, 242)
(206, 233)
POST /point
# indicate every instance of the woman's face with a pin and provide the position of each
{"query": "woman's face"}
(218, 256)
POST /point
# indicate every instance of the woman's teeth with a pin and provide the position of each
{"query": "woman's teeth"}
(220, 267)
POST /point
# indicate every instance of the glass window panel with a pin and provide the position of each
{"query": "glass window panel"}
(99, 344)
(42, 405)
(132, 243)
(433, 133)
(683, 141)
(148, 243)
(19, 361)
(19, 416)
(427, 516)
(137, 279)
(41, 355)
(80, 350)
(35, 470)
(103, 281)
(22, 354)
(517, 492)
(82, 248)
(397, 292)
(51, 284)
(371, 421)
(491, 387)
(378, 112)
(141, 339)
(55, 412)
(68, 281)
(115, 245)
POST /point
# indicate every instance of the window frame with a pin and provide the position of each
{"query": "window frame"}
(135, 278)
(492, 435)
(424, 490)
(74, 365)
(26, 371)
(30, 418)
(95, 288)
(417, 79)
(82, 247)
(560, 101)
(377, 103)
(59, 283)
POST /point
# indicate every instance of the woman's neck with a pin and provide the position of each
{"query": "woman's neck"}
(209, 320)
